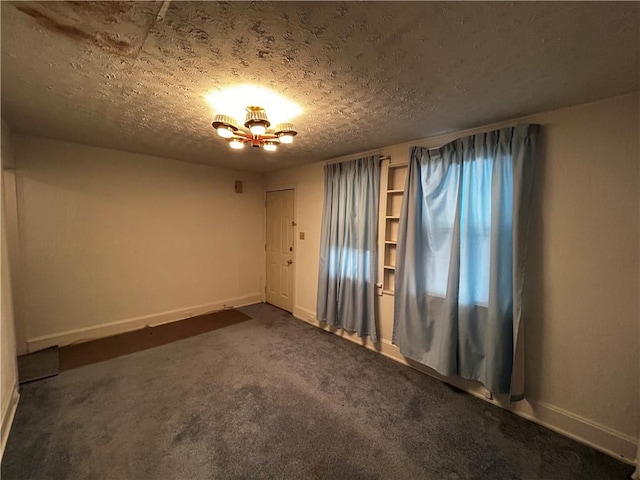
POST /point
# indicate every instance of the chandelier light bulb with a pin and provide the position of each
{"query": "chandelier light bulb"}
(224, 125)
(236, 144)
(225, 132)
(258, 129)
(285, 132)
(270, 146)
(286, 138)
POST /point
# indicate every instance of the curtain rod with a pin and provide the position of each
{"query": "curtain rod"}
(355, 157)
(470, 131)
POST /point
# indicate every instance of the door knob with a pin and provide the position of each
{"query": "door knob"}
(289, 262)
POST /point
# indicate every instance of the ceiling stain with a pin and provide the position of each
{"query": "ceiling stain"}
(100, 39)
(55, 17)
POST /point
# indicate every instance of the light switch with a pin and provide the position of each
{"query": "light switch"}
(301, 235)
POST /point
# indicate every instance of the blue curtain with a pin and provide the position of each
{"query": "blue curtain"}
(461, 255)
(348, 246)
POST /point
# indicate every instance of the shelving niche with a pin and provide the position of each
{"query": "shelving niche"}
(396, 176)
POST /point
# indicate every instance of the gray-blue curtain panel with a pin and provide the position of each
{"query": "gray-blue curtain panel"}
(461, 254)
(348, 246)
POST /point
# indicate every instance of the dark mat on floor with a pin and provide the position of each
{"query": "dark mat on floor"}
(38, 365)
(270, 398)
(99, 350)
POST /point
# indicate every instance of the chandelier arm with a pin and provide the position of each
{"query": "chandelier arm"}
(248, 136)
(241, 136)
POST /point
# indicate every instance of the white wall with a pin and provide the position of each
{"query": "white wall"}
(111, 241)
(8, 364)
(581, 305)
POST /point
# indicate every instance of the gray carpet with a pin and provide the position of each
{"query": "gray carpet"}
(275, 398)
(38, 365)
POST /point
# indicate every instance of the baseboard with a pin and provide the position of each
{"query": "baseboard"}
(7, 418)
(306, 316)
(583, 430)
(126, 325)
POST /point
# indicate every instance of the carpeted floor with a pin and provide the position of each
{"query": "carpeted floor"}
(275, 398)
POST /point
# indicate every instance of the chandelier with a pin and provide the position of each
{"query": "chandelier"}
(258, 134)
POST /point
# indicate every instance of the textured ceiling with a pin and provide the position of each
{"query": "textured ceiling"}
(133, 75)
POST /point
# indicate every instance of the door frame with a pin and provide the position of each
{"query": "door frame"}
(294, 290)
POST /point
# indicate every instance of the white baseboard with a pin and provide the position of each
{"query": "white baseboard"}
(584, 430)
(126, 325)
(306, 315)
(598, 436)
(8, 416)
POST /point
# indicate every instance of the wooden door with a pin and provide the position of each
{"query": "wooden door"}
(280, 243)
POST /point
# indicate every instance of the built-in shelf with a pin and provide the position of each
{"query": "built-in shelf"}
(396, 178)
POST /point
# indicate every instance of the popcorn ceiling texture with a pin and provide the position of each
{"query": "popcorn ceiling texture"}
(131, 76)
